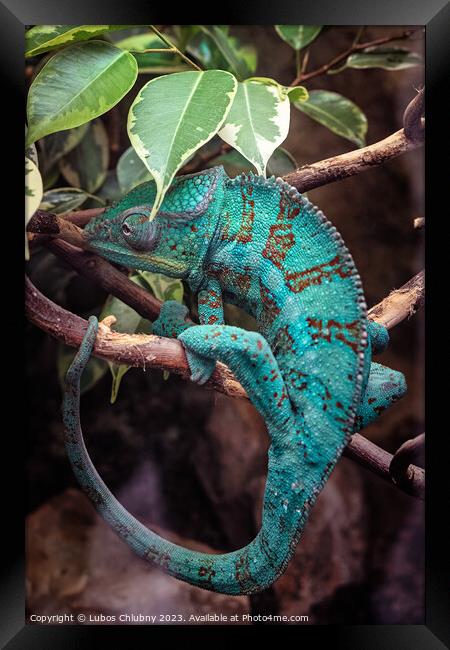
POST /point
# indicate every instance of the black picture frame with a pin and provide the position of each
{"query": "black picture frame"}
(435, 16)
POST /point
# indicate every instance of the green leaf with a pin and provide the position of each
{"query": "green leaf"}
(280, 163)
(298, 36)
(127, 321)
(152, 62)
(86, 165)
(257, 122)
(43, 38)
(117, 372)
(388, 59)
(162, 287)
(78, 84)
(297, 94)
(337, 113)
(94, 371)
(215, 49)
(57, 145)
(110, 191)
(131, 171)
(64, 199)
(50, 176)
(173, 116)
(33, 194)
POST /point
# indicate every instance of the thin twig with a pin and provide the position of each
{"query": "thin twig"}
(355, 47)
(174, 47)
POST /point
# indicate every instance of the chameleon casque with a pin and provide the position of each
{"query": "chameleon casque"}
(256, 243)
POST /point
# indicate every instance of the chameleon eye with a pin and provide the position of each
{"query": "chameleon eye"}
(126, 229)
(140, 233)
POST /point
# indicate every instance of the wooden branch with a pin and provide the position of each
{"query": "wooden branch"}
(138, 350)
(349, 164)
(379, 461)
(404, 473)
(413, 122)
(108, 277)
(148, 351)
(401, 303)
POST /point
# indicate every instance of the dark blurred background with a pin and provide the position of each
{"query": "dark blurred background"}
(191, 463)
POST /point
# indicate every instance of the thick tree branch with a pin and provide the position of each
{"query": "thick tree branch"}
(141, 350)
(108, 277)
(348, 164)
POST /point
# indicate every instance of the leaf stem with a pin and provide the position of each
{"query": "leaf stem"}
(156, 49)
(171, 45)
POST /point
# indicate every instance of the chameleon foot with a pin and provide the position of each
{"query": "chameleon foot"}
(379, 336)
(171, 320)
(171, 323)
(384, 387)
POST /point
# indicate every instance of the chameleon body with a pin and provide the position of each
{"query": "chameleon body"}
(259, 244)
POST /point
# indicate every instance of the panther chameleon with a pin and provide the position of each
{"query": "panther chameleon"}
(259, 244)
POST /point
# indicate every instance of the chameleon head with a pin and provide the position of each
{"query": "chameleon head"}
(176, 240)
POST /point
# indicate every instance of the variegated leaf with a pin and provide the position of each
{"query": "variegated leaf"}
(76, 85)
(33, 194)
(43, 38)
(337, 113)
(257, 123)
(173, 116)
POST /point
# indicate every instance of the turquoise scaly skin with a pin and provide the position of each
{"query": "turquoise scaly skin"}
(259, 244)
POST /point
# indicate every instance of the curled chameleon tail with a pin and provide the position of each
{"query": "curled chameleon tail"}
(291, 482)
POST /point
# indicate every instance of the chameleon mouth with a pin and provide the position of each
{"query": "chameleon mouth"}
(129, 258)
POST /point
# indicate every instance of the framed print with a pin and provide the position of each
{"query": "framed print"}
(226, 360)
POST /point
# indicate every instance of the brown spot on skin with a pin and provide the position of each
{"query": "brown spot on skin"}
(270, 310)
(206, 571)
(245, 232)
(324, 331)
(212, 320)
(371, 400)
(280, 240)
(298, 281)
